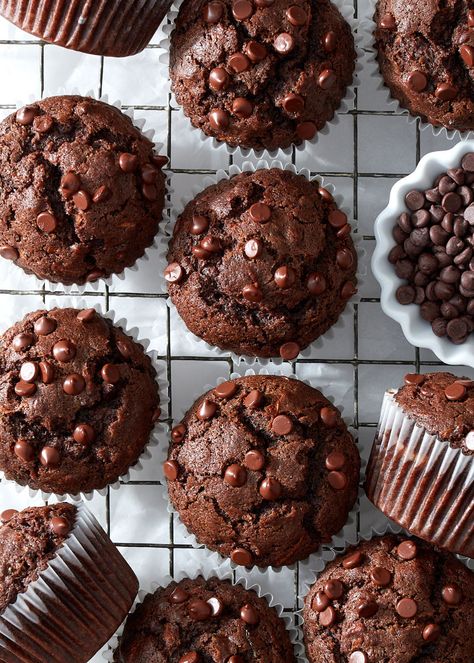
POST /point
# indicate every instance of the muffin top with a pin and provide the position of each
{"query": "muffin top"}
(263, 470)
(426, 56)
(443, 404)
(81, 191)
(394, 600)
(77, 401)
(261, 74)
(204, 620)
(265, 252)
(28, 542)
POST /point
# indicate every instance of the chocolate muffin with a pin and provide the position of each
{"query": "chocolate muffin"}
(263, 470)
(103, 27)
(391, 599)
(421, 466)
(81, 191)
(426, 57)
(64, 587)
(204, 620)
(78, 399)
(265, 252)
(261, 74)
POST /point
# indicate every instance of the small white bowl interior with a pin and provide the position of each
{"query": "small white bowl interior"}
(417, 331)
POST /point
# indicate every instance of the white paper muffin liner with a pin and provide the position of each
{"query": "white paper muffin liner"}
(367, 28)
(249, 166)
(223, 572)
(346, 8)
(316, 564)
(190, 538)
(76, 603)
(100, 284)
(158, 434)
(421, 482)
(417, 331)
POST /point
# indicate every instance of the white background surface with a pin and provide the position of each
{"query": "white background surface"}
(369, 149)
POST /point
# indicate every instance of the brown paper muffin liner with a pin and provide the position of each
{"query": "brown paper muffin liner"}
(75, 605)
(101, 27)
(421, 482)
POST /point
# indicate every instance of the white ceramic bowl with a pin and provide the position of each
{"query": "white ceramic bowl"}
(417, 331)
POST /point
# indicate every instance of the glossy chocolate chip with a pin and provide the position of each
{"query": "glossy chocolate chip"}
(407, 550)
(381, 576)
(9, 252)
(64, 351)
(110, 373)
(353, 560)
(87, 315)
(190, 657)
(25, 389)
(171, 470)
(260, 213)
(327, 79)
(358, 657)
(329, 416)
(84, 434)
(47, 372)
(216, 605)
(82, 200)
(328, 617)
(239, 63)
(7, 515)
(235, 476)
(26, 115)
(296, 15)
(74, 384)
(242, 108)
(174, 273)
(219, 119)
(218, 79)
(255, 51)
(241, 557)
(253, 399)
(333, 589)
(206, 410)
(252, 293)
(431, 632)
(289, 350)
(282, 425)
(284, 43)
(367, 609)
(24, 451)
(22, 342)
(253, 248)
(270, 489)
(199, 610)
(178, 595)
(387, 22)
(335, 461)
(46, 222)
(316, 284)
(452, 594)
(249, 615)
(60, 526)
(407, 608)
(254, 460)
(50, 457)
(242, 9)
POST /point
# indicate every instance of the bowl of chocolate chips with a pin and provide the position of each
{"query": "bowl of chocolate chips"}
(424, 257)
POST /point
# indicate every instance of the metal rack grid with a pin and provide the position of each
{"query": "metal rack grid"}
(356, 362)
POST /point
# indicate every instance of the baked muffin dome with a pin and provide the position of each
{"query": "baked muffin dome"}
(261, 75)
(391, 599)
(78, 399)
(426, 57)
(265, 252)
(81, 191)
(263, 470)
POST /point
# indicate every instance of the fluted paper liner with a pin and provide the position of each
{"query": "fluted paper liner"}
(223, 571)
(160, 427)
(249, 166)
(76, 603)
(272, 369)
(100, 27)
(421, 482)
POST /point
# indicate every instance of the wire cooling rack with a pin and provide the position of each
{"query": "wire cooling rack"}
(363, 156)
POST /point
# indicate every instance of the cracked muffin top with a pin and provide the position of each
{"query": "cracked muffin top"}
(261, 74)
(394, 600)
(81, 191)
(29, 540)
(204, 620)
(426, 56)
(78, 401)
(266, 252)
(263, 470)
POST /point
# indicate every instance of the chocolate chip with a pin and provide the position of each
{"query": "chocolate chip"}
(239, 63)
(235, 659)
(467, 54)
(414, 200)
(60, 526)
(249, 615)
(455, 392)
(200, 224)
(316, 284)
(50, 457)
(47, 372)
(334, 589)
(45, 326)
(253, 248)
(128, 162)
(407, 550)
(171, 470)
(405, 294)
(70, 184)
(25, 389)
(46, 222)
(9, 252)
(174, 273)
(367, 609)
(381, 576)
(178, 595)
(254, 460)
(64, 351)
(101, 195)
(284, 43)
(29, 371)
(218, 79)
(219, 119)
(206, 410)
(353, 560)
(327, 79)
(282, 425)
(199, 610)
(43, 123)
(452, 595)
(190, 656)
(329, 416)
(241, 557)
(320, 602)
(24, 451)
(7, 515)
(216, 605)
(252, 293)
(253, 399)
(226, 389)
(235, 476)
(178, 433)
(344, 258)
(82, 200)
(242, 9)
(26, 115)
(74, 384)
(431, 632)
(213, 12)
(84, 434)
(242, 108)
(337, 480)
(407, 608)
(87, 315)
(289, 350)
(335, 461)
(296, 16)
(22, 342)
(260, 213)
(270, 489)
(328, 617)
(358, 657)
(446, 92)
(387, 22)
(293, 103)
(417, 81)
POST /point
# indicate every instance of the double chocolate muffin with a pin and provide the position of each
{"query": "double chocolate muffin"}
(81, 190)
(426, 57)
(263, 470)
(78, 399)
(261, 74)
(204, 620)
(391, 599)
(262, 264)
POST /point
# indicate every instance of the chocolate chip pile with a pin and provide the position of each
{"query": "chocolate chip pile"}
(200, 620)
(263, 470)
(391, 599)
(435, 252)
